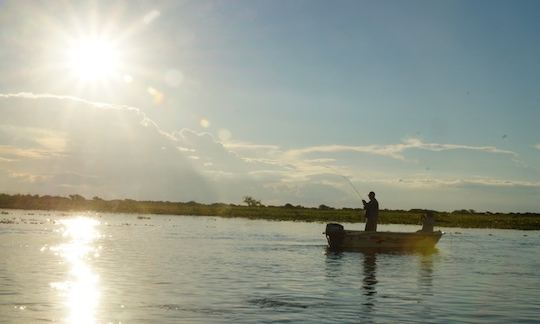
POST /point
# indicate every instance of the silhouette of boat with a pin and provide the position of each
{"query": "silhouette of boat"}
(340, 239)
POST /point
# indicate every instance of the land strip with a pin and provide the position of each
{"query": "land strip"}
(460, 218)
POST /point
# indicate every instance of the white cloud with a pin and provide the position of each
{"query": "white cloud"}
(396, 151)
(29, 95)
(424, 182)
(107, 150)
(537, 146)
(8, 152)
(62, 145)
(27, 177)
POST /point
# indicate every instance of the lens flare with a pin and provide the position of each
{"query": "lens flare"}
(205, 123)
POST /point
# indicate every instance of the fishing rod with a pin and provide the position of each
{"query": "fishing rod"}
(348, 180)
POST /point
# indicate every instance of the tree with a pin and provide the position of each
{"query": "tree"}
(324, 207)
(77, 198)
(252, 202)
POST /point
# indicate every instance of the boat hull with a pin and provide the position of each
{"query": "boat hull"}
(340, 239)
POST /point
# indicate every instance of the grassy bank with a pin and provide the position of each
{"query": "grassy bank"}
(464, 219)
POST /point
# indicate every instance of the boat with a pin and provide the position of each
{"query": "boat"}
(340, 239)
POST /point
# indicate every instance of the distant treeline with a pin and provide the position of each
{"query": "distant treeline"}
(459, 218)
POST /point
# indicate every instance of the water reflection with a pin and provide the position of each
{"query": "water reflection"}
(80, 290)
(366, 265)
(336, 260)
(425, 276)
(370, 280)
(333, 263)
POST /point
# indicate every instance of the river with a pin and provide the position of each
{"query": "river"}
(115, 268)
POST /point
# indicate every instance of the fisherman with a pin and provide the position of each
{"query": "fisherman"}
(372, 212)
(428, 222)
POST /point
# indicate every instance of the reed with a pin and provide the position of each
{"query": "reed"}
(463, 218)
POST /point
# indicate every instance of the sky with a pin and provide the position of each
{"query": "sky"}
(431, 104)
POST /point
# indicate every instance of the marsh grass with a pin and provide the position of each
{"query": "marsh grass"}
(463, 218)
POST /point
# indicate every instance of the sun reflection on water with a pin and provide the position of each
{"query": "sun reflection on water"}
(80, 290)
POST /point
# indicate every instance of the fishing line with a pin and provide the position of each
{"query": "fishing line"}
(346, 178)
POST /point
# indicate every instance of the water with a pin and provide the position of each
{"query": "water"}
(102, 268)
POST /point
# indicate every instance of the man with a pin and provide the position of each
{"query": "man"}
(428, 222)
(372, 212)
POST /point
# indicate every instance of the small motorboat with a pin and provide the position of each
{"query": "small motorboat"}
(340, 239)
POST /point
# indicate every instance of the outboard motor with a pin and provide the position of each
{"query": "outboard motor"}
(335, 233)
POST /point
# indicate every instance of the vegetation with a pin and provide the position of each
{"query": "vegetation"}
(252, 202)
(255, 210)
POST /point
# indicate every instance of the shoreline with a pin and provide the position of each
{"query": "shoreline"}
(459, 219)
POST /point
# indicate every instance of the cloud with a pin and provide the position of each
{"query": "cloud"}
(537, 146)
(423, 182)
(27, 177)
(63, 145)
(29, 95)
(302, 164)
(12, 153)
(213, 155)
(503, 183)
(67, 145)
(29, 142)
(53, 144)
(396, 151)
(71, 102)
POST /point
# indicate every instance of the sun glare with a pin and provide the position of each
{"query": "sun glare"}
(93, 59)
(81, 286)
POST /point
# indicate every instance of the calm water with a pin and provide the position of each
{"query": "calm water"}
(100, 268)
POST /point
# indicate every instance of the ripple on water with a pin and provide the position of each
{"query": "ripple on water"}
(275, 302)
(245, 271)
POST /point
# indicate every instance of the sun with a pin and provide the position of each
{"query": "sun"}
(93, 59)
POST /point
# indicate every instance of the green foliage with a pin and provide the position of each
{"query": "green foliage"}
(252, 202)
(324, 207)
(461, 218)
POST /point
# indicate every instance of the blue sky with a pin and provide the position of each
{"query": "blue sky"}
(432, 104)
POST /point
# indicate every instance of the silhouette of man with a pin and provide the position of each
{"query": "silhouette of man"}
(372, 212)
(428, 221)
